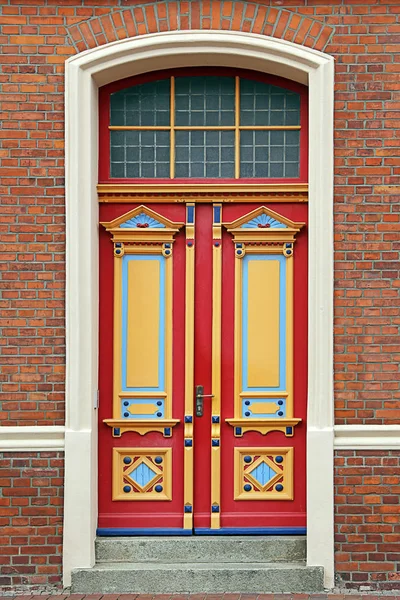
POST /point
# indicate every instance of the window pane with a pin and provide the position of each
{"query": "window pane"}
(265, 104)
(269, 153)
(205, 154)
(146, 105)
(203, 101)
(140, 154)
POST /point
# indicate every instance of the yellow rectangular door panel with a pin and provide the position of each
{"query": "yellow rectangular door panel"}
(263, 323)
(143, 323)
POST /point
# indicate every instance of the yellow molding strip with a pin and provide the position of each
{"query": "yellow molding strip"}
(263, 426)
(141, 426)
(189, 366)
(117, 369)
(216, 367)
(172, 133)
(168, 350)
(173, 189)
(237, 129)
(238, 336)
(289, 335)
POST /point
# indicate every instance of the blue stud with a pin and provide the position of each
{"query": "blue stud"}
(214, 419)
(247, 459)
(215, 443)
(158, 488)
(159, 414)
(238, 245)
(288, 252)
(238, 431)
(247, 403)
(247, 487)
(215, 508)
(159, 403)
(167, 252)
(127, 489)
(158, 460)
(188, 508)
(167, 431)
(280, 402)
(118, 245)
(239, 252)
(118, 251)
(188, 443)
(168, 245)
(127, 460)
(116, 431)
(247, 413)
(188, 419)
(126, 403)
(280, 413)
(278, 459)
(126, 414)
(289, 430)
(279, 487)
(190, 244)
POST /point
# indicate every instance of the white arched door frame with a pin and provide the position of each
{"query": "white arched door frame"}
(87, 71)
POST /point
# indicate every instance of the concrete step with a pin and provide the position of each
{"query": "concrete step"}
(153, 578)
(208, 549)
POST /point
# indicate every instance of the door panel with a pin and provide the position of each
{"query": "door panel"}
(265, 307)
(141, 357)
(212, 295)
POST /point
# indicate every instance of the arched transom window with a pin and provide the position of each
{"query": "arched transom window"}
(204, 127)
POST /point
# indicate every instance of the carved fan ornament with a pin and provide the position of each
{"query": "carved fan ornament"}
(263, 227)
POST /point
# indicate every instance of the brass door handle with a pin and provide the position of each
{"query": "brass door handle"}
(199, 400)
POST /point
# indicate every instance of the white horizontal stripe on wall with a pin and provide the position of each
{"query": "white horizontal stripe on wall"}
(367, 437)
(31, 439)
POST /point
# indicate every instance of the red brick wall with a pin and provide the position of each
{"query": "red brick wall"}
(37, 37)
(31, 509)
(367, 516)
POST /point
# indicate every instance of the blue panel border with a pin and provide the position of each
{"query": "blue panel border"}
(135, 531)
(161, 334)
(252, 531)
(282, 321)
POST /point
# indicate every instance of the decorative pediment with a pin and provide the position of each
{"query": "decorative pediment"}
(141, 217)
(142, 225)
(264, 227)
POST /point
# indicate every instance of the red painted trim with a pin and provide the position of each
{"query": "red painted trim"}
(104, 132)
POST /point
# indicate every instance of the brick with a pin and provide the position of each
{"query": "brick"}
(362, 35)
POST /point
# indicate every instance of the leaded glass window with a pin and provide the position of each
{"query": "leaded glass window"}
(205, 127)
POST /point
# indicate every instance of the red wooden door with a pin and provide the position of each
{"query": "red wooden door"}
(213, 296)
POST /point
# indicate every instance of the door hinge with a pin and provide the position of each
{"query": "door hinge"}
(96, 399)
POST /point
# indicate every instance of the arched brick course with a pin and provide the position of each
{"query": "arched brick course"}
(200, 14)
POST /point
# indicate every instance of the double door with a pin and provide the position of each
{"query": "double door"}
(202, 368)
